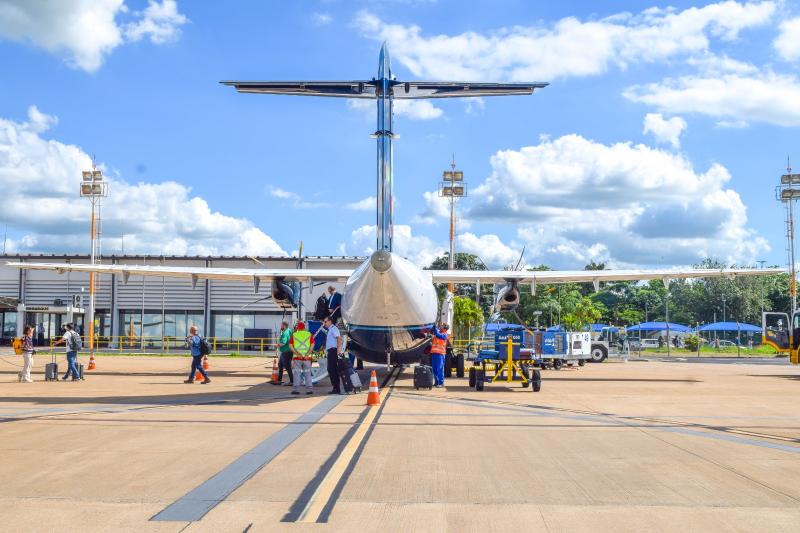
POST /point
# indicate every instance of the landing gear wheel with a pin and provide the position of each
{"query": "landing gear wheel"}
(479, 383)
(448, 366)
(460, 365)
(536, 381)
(557, 364)
(581, 362)
(472, 373)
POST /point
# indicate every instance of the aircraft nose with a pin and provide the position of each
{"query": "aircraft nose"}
(381, 260)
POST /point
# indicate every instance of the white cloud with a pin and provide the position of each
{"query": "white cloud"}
(413, 109)
(321, 19)
(365, 204)
(574, 199)
(731, 98)
(296, 200)
(86, 31)
(160, 22)
(570, 47)
(435, 207)
(40, 179)
(490, 248)
(418, 249)
(787, 43)
(665, 130)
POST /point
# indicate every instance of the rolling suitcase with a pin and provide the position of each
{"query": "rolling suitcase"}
(79, 366)
(344, 375)
(351, 372)
(423, 377)
(51, 370)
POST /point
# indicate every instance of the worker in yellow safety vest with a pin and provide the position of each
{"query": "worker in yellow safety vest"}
(438, 351)
(301, 344)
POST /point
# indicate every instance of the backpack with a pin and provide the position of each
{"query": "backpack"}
(74, 343)
(205, 346)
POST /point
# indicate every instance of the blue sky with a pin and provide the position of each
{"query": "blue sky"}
(658, 142)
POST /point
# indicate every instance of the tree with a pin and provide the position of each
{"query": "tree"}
(467, 317)
(463, 261)
(585, 311)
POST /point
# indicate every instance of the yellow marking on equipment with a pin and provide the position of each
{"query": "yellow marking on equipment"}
(325, 489)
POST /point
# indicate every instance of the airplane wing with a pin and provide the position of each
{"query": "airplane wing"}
(197, 273)
(590, 276)
(336, 89)
(460, 89)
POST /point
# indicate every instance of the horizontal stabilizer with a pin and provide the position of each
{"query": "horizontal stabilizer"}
(461, 89)
(335, 89)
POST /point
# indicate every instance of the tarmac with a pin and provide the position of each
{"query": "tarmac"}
(637, 446)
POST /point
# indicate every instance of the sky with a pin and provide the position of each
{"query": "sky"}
(659, 141)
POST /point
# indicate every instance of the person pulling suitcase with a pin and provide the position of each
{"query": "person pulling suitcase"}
(333, 349)
(73, 343)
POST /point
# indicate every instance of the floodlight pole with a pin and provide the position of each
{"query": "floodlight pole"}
(93, 187)
(788, 193)
(452, 187)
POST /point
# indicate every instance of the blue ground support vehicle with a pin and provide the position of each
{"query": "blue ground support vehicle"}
(506, 362)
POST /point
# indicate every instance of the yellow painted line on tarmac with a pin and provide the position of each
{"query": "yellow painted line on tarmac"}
(316, 504)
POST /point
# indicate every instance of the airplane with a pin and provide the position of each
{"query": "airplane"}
(389, 305)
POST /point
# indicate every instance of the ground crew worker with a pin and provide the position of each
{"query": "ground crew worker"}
(302, 345)
(438, 350)
(285, 353)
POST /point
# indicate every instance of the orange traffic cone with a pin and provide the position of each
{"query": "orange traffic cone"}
(91, 366)
(205, 363)
(198, 376)
(373, 397)
(274, 379)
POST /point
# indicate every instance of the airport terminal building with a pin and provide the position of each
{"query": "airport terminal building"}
(143, 311)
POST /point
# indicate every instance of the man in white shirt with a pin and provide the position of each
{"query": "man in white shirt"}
(333, 348)
(71, 341)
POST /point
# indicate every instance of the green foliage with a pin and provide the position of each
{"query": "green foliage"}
(586, 311)
(690, 342)
(467, 317)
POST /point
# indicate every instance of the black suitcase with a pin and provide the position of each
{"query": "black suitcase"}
(346, 368)
(423, 377)
(347, 383)
(51, 372)
(79, 366)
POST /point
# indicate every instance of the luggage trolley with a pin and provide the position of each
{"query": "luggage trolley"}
(506, 363)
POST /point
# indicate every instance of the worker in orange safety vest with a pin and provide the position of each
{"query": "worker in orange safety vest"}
(438, 351)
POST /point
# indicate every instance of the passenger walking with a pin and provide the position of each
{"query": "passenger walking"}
(334, 304)
(333, 349)
(285, 353)
(72, 343)
(27, 354)
(195, 343)
(302, 345)
(438, 351)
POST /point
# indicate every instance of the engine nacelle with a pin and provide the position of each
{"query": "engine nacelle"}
(507, 299)
(284, 294)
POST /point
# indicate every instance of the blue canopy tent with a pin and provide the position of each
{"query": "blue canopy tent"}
(739, 333)
(555, 328)
(597, 328)
(659, 326)
(493, 327)
(730, 326)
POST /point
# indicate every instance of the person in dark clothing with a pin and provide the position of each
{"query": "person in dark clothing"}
(333, 348)
(334, 304)
(285, 357)
(321, 309)
(193, 342)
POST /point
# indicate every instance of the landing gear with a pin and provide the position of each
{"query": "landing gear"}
(557, 364)
(536, 381)
(472, 374)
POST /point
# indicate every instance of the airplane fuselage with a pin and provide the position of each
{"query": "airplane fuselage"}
(389, 306)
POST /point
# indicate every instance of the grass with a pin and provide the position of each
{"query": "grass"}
(711, 351)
